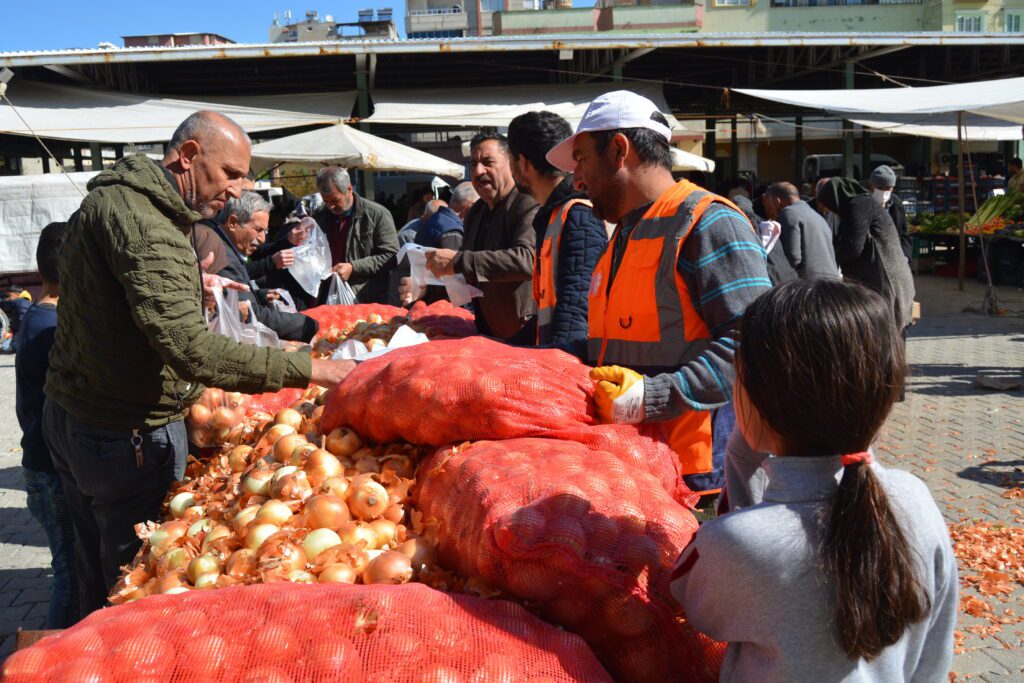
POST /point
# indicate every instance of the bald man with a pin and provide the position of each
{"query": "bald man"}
(133, 351)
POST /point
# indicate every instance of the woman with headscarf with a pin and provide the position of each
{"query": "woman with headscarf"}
(868, 247)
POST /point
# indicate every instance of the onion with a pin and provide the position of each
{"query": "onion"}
(395, 512)
(273, 512)
(390, 567)
(401, 465)
(173, 559)
(336, 486)
(194, 513)
(241, 565)
(201, 526)
(318, 541)
(213, 398)
(223, 418)
(176, 590)
(325, 512)
(294, 486)
(199, 416)
(283, 472)
(166, 534)
(338, 573)
(304, 408)
(421, 553)
(204, 564)
(321, 466)
(258, 482)
(271, 436)
(358, 534)
(367, 499)
(171, 580)
(385, 532)
(258, 534)
(342, 442)
(301, 576)
(289, 417)
(301, 452)
(282, 555)
(234, 399)
(207, 580)
(243, 517)
(240, 458)
(285, 445)
(181, 502)
(215, 534)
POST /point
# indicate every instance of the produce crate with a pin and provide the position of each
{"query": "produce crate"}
(922, 255)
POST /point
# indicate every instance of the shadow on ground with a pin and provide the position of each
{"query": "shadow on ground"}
(958, 380)
(1005, 473)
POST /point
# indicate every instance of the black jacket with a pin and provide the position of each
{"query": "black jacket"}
(370, 247)
(292, 326)
(899, 218)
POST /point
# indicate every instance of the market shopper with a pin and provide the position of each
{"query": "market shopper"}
(845, 571)
(241, 227)
(806, 238)
(569, 238)
(361, 234)
(498, 246)
(883, 184)
(46, 499)
(868, 247)
(665, 298)
(1015, 181)
(132, 349)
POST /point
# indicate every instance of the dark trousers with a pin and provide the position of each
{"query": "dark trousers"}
(47, 503)
(110, 488)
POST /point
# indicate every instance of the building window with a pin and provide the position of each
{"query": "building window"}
(970, 22)
(1012, 21)
(153, 40)
(732, 3)
(492, 5)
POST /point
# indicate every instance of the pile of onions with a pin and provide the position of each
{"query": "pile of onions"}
(281, 502)
(218, 417)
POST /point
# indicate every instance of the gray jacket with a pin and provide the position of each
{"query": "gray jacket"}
(753, 581)
(807, 241)
(370, 247)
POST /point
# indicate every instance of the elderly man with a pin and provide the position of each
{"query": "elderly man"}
(667, 294)
(361, 234)
(499, 244)
(883, 180)
(444, 229)
(409, 230)
(806, 238)
(132, 350)
(241, 227)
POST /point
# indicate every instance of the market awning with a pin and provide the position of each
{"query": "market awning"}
(335, 105)
(943, 126)
(350, 147)
(495, 107)
(89, 115)
(688, 161)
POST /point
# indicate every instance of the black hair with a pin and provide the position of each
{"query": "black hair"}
(1016, 162)
(481, 138)
(651, 147)
(533, 134)
(48, 252)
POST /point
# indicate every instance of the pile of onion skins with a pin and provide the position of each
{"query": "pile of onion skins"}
(282, 504)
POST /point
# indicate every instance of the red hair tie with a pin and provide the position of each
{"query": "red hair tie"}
(863, 458)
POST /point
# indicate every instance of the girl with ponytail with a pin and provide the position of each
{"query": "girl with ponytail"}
(845, 571)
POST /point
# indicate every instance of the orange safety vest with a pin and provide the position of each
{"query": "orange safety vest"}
(546, 266)
(647, 318)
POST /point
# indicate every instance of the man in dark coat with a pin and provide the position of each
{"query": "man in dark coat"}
(498, 248)
(361, 234)
(883, 182)
(806, 238)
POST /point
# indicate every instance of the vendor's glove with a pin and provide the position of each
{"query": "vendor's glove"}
(619, 394)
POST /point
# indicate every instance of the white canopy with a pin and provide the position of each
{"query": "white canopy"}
(688, 161)
(943, 126)
(72, 113)
(347, 146)
(27, 204)
(335, 105)
(495, 107)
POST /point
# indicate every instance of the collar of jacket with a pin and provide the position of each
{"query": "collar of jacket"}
(143, 175)
(358, 210)
(794, 479)
(562, 193)
(225, 237)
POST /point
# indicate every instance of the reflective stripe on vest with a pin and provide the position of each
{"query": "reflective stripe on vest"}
(546, 266)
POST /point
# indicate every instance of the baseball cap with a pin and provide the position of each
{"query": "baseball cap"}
(611, 111)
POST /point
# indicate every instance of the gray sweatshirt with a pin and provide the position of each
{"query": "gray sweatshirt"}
(752, 578)
(807, 241)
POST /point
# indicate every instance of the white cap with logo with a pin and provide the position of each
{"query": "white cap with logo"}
(611, 111)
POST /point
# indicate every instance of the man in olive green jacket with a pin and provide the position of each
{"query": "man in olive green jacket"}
(132, 348)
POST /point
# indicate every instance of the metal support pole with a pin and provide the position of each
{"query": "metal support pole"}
(798, 151)
(865, 155)
(96, 156)
(848, 128)
(76, 153)
(962, 266)
(711, 125)
(363, 111)
(734, 148)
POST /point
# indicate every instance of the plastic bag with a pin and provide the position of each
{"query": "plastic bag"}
(290, 632)
(229, 323)
(459, 291)
(341, 293)
(285, 302)
(588, 541)
(312, 261)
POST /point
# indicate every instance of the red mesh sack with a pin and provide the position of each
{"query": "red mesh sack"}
(282, 633)
(590, 542)
(452, 390)
(273, 402)
(440, 319)
(344, 316)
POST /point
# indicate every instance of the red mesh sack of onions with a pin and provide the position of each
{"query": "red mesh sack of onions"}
(442, 320)
(451, 391)
(590, 542)
(345, 316)
(286, 633)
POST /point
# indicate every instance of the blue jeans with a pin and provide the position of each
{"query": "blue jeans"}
(48, 505)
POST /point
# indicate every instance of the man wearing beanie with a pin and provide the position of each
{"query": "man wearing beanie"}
(883, 180)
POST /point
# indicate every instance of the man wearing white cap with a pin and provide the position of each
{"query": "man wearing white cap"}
(667, 294)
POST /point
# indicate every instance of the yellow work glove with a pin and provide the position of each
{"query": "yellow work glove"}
(619, 394)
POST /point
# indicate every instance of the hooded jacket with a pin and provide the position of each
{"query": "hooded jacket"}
(132, 348)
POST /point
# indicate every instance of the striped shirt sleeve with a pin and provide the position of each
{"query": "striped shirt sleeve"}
(725, 268)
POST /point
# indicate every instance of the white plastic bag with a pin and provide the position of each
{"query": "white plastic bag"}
(460, 292)
(341, 293)
(312, 261)
(285, 303)
(228, 322)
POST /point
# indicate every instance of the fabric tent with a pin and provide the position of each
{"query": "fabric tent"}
(347, 146)
(336, 105)
(90, 115)
(688, 161)
(942, 126)
(495, 107)
(27, 204)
